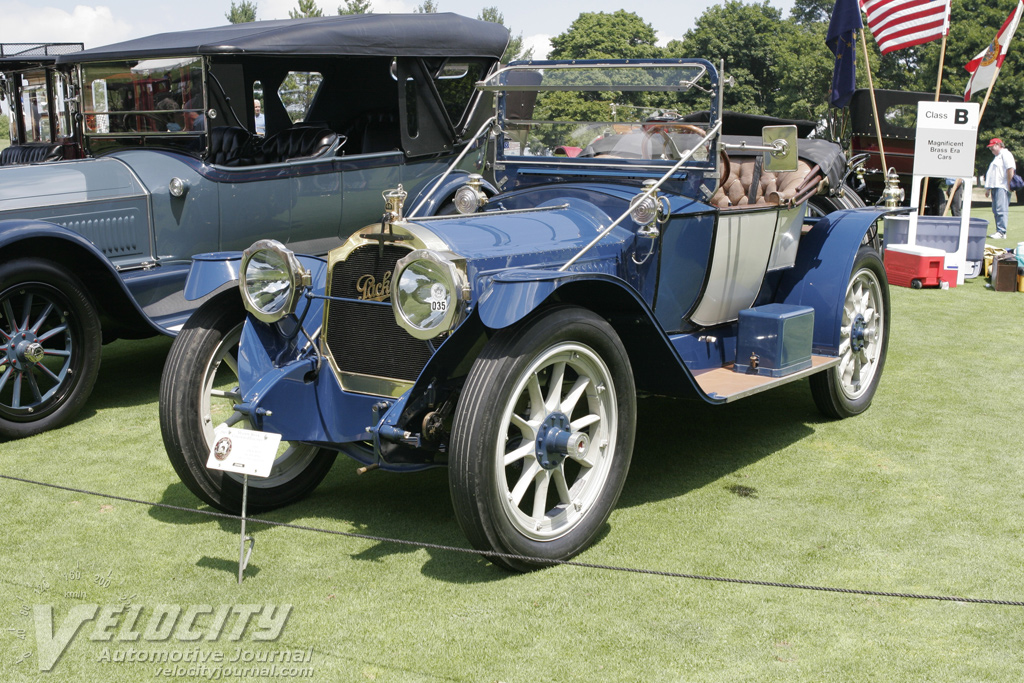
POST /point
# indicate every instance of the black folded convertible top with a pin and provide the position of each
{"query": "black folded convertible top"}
(393, 35)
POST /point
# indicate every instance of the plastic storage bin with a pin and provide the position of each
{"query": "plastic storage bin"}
(941, 232)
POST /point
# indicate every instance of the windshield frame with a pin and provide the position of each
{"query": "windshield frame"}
(701, 77)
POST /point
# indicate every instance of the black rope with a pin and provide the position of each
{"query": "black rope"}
(509, 556)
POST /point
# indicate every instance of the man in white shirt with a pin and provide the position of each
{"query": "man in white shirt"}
(261, 122)
(997, 184)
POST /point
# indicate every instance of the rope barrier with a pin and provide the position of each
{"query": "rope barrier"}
(489, 553)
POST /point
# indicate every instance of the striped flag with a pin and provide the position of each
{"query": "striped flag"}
(984, 67)
(897, 24)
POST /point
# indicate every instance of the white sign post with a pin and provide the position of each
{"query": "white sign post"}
(244, 452)
(947, 138)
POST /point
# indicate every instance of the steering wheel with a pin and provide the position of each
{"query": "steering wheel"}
(662, 126)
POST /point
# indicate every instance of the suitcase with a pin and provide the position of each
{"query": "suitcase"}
(1004, 273)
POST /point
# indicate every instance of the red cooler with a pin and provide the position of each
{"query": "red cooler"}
(913, 266)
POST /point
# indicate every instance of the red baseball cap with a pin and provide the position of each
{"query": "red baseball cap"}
(996, 141)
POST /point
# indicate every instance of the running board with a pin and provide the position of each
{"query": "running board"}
(724, 383)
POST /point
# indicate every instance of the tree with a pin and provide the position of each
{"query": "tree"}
(241, 13)
(806, 12)
(307, 8)
(750, 38)
(515, 44)
(5, 130)
(597, 35)
(355, 7)
(428, 7)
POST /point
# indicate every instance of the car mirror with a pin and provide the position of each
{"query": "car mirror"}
(783, 139)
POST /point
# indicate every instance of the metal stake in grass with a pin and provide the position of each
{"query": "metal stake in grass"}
(243, 556)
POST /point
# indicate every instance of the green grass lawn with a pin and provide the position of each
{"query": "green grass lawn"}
(921, 494)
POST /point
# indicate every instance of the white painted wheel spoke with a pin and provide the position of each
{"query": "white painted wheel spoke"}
(536, 397)
(562, 487)
(584, 422)
(527, 477)
(527, 429)
(519, 453)
(540, 496)
(231, 362)
(555, 386)
(570, 400)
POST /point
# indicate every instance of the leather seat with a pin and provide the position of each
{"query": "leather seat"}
(770, 189)
(31, 153)
(296, 143)
(231, 146)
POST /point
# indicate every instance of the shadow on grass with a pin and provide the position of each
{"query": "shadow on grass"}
(129, 375)
(229, 566)
(680, 446)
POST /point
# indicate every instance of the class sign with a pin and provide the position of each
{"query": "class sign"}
(947, 138)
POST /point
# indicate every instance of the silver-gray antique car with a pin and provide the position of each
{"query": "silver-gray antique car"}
(626, 247)
(177, 162)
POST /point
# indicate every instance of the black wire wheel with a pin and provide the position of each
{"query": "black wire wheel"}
(50, 345)
(198, 392)
(542, 438)
(846, 389)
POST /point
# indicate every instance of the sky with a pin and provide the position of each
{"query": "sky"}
(116, 20)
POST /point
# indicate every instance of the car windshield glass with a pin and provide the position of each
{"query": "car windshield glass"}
(153, 96)
(600, 110)
(34, 106)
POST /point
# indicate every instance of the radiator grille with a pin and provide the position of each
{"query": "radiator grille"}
(362, 335)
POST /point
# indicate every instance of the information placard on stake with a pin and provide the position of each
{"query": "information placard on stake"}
(947, 139)
(245, 452)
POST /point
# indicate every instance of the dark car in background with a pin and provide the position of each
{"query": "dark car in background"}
(35, 90)
(897, 113)
(98, 248)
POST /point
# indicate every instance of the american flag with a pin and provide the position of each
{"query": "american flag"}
(897, 24)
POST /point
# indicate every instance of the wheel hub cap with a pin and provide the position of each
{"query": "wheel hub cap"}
(555, 440)
(25, 351)
(857, 331)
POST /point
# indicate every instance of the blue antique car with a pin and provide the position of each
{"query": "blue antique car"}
(130, 158)
(627, 247)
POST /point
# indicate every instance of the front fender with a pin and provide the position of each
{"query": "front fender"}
(212, 271)
(514, 294)
(657, 366)
(822, 271)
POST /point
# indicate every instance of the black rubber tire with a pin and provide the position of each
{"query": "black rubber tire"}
(44, 284)
(480, 488)
(192, 367)
(832, 392)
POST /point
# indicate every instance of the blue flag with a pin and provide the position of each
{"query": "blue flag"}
(840, 39)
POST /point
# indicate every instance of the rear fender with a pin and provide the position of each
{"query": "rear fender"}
(21, 238)
(822, 271)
